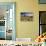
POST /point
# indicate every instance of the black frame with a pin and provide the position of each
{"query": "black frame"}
(39, 24)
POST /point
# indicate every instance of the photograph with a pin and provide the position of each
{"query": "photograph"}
(26, 16)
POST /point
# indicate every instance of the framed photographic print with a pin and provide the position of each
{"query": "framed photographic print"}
(42, 1)
(26, 16)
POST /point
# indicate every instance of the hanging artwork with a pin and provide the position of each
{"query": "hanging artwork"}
(42, 1)
(26, 16)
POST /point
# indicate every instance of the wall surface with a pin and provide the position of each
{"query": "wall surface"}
(27, 29)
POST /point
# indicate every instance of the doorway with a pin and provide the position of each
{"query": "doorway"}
(42, 22)
(7, 21)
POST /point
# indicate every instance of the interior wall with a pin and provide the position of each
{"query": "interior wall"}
(42, 7)
(27, 29)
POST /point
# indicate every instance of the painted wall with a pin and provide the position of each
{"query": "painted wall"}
(42, 7)
(27, 29)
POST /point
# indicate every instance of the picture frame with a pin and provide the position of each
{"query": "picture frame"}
(42, 1)
(26, 16)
